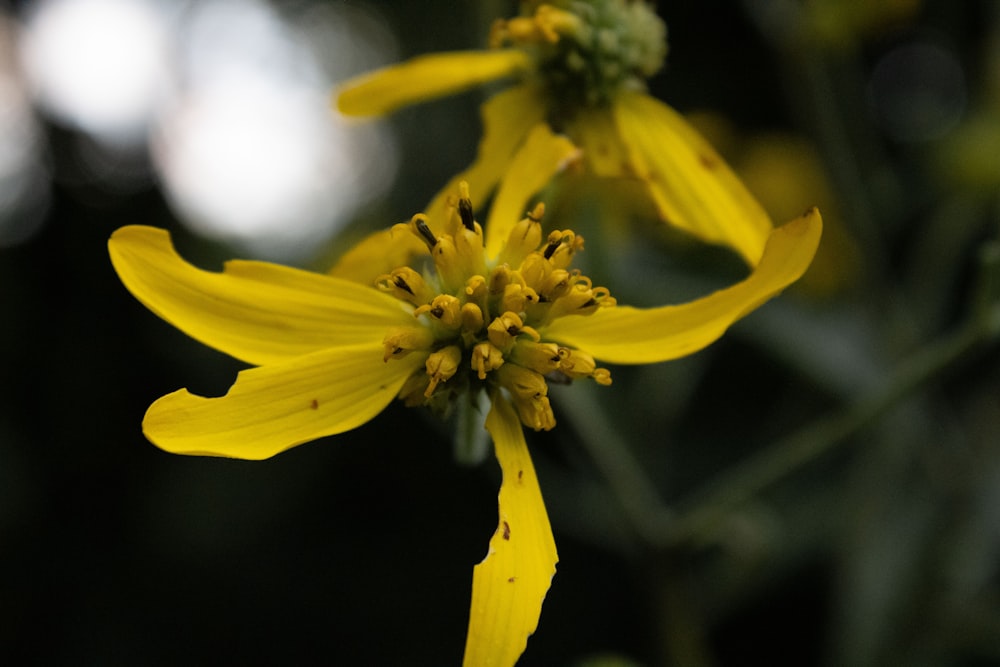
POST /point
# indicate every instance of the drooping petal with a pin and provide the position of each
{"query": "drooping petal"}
(426, 77)
(378, 253)
(255, 311)
(509, 585)
(693, 188)
(541, 156)
(507, 118)
(272, 408)
(627, 335)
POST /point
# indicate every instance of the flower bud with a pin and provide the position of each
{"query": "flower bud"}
(441, 366)
(405, 284)
(400, 341)
(445, 309)
(540, 357)
(524, 238)
(485, 358)
(504, 329)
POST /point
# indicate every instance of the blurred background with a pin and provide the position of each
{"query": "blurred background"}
(820, 487)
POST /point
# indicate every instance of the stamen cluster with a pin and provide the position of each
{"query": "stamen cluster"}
(587, 50)
(479, 320)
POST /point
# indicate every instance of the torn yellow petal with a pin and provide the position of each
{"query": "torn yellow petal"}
(626, 335)
(255, 311)
(272, 408)
(508, 587)
(691, 185)
(541, 156)
(507, 119)
(426, 77)
(379, 253)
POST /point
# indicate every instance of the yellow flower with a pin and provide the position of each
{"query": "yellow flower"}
(498, 314)
(581, 66)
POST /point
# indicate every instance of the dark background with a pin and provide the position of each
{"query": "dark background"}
(882, 549)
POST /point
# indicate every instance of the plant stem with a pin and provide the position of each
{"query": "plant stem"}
(663, 528)
(638, 498)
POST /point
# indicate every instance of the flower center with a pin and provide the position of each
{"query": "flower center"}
(481, 321)
(587, 50)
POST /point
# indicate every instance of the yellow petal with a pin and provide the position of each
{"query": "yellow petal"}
(255, 311)
(595, 132)
(508, 587)
(540, 157)
(379, 253)
(692, 187)
(426, 77)
(507, 117)
(272, 408)
(626, 335)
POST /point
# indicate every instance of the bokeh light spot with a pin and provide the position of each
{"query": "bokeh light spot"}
(250, 152)
(918, 92)
(98, 65)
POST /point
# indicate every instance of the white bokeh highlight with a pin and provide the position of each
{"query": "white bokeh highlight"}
(250, 151)
(230, 103)
(98, 65)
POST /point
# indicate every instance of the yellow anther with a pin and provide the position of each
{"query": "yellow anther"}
(581, 300)
(535, 412)
(505, 329)
(553, 21)
(445, 309)
(578, 279)
(470, 247)
(536, 214)
(465, 212)
(524, 238)
(517, 298)
(456, 313)
(400, 341)
(578, 301)
(555, 285)
(472, 320)
(486, 358)
(552, 243)
(441, 366)
(500, 277)
(540, 357)
(529, 394)
(446, 262)
(546, 25)
(419, 227)
(521, 381)
(518, 30)
(577, 365)
(534, 269)
(477, 292)
(475, 288)
(561, 255)
(405, 284)
(459, 213)
(602, 376)
(603, 297)
(458, 257)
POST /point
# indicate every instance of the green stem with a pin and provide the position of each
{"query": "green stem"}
(638, 498)
(662, 528)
